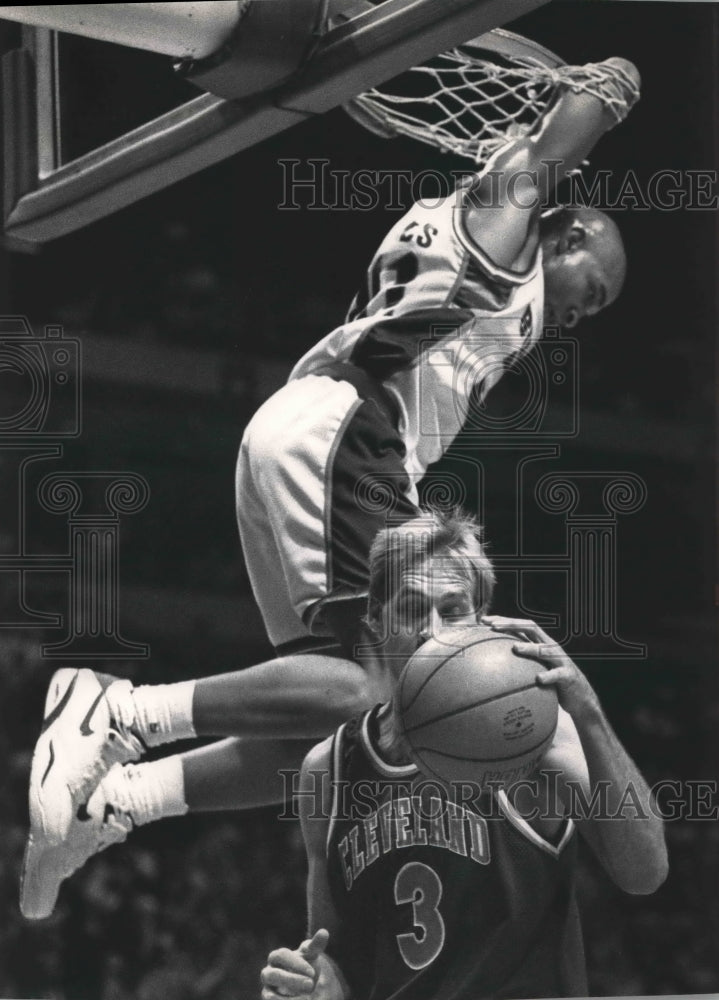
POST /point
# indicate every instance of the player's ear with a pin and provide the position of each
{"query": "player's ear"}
(374, 616)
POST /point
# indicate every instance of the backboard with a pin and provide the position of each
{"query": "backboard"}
(90, 127)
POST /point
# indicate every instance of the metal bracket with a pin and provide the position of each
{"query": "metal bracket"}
(248, 63)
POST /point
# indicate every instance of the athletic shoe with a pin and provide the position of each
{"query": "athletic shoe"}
(79, 742)
(46, 866)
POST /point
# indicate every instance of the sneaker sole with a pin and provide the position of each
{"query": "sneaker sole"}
(39, 881)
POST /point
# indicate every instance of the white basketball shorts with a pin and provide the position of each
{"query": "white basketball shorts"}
(319, 473)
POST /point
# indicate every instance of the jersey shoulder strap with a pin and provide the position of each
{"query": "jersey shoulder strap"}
(492, 270)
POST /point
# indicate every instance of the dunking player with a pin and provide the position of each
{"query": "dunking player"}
(431, 898)
(452, 294)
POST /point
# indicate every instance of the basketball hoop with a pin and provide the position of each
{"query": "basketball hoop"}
(480, 96)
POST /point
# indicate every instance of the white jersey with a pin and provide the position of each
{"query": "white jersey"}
(436, 322)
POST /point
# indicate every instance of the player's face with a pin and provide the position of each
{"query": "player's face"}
(584, 266)
(430, 597)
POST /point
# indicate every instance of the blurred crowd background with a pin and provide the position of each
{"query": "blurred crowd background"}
(190, 309)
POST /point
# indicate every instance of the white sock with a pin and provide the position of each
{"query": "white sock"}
(160, 713)
(149, 791)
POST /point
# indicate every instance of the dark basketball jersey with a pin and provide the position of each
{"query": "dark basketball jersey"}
(439, 900)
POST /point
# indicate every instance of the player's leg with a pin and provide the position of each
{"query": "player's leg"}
(301, 696)
(93, 721)
(286, 467)
(204, 780)
(306, 471)
(319, 474)
(301, 485)
(210, 773)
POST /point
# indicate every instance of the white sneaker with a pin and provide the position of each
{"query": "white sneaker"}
(46, 866)
(78, 744)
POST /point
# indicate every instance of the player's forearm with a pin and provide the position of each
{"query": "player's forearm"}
(626, 834)
(570, 132)
(571, 129)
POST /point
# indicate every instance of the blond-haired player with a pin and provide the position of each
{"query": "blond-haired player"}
(452, 295)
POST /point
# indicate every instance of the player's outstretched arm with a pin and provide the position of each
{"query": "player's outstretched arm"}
(615, 811)
(504, 203)
(308, 971)
(595, 98)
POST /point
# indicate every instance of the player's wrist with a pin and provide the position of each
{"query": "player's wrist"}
(585, 709)
(330, 978)
(615, 82)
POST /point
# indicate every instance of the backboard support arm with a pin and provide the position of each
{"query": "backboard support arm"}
(351, 57)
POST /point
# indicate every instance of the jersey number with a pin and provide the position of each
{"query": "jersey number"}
(398, 270)
(422, 237)
(420, 885)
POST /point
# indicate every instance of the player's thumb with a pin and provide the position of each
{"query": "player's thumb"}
(315, 946)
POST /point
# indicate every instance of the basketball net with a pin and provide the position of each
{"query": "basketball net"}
(472, 104)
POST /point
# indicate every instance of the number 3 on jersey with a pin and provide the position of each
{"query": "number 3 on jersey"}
(420, 885)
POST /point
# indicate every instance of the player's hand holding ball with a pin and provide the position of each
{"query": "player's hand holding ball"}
(576, 695)
(305, 972)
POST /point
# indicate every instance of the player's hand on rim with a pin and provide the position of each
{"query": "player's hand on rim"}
(573, 689)
(293, 973)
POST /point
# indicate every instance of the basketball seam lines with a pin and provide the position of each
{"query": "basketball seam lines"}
(480, 760)
(474, 704)
(425, 682)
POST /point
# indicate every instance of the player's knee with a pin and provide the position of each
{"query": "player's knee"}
(651, 877)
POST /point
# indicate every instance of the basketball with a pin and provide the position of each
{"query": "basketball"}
(471, 709)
